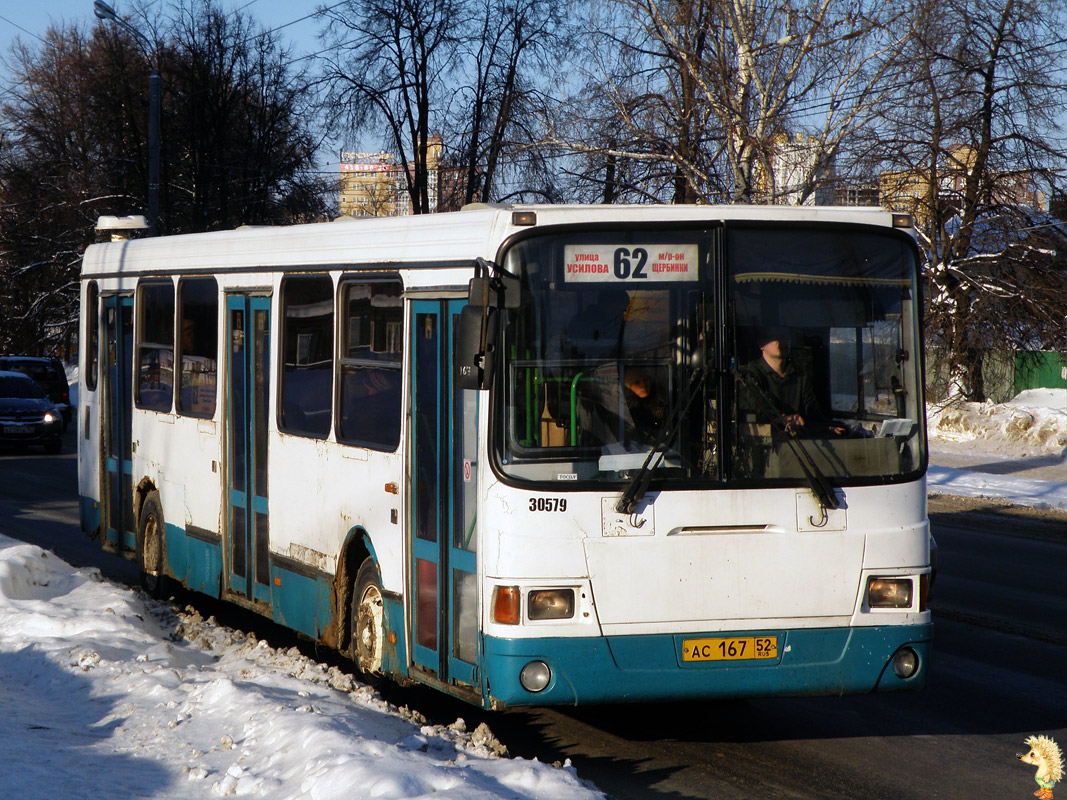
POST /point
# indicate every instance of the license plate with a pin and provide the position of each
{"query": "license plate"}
(17, 429)
(734, 648)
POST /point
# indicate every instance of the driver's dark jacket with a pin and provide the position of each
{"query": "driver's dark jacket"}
(788, 394)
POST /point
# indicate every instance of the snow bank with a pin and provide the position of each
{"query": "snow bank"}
(104, 691)
(1036, 420)
(1014, 451)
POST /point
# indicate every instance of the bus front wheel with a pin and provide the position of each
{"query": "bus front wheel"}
(150, 545)
(368, 622)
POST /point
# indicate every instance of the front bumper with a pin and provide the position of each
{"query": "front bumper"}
(20, 432)
(826, 661)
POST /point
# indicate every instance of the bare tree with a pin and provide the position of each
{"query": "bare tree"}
(385, 68)
(236, 149)
(970, 139)
(719, 84)
(239, 147)
(490, 112)
(635, 129)
(65, 159)
(406, 70)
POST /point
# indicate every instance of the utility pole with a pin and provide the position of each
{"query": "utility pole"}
(105, 12)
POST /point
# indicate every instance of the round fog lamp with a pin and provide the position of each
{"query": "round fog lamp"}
(905, 663)
(535, 676)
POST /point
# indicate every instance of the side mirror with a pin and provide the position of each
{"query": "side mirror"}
(475, 357)
(473, 362)
(498, 291)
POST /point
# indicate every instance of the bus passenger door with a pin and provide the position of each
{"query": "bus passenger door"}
(120, 528)
(445, 468)
(247, 388)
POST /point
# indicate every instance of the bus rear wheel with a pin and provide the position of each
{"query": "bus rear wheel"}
(368, 622)
(150, 531)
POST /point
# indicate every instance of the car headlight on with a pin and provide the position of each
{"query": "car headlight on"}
(49, 417)
(889, 592)
(550, 604)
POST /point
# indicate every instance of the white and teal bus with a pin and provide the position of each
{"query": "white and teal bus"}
(530, 454)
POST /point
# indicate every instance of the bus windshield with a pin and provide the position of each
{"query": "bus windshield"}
(804, 339)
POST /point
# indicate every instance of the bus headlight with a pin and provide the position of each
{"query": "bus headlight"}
(889, 592)
(550, 604)
(535, 676)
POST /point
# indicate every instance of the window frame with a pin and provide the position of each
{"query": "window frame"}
(92, 335)
(138, 341)
(283, 345)
(342, 360)
(179, 347)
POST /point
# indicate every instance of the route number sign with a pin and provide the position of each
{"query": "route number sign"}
(626, 264)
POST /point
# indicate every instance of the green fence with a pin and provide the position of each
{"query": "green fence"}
(1040, 369)
(1005, 373)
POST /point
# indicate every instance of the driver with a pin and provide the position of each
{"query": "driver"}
(783, 385)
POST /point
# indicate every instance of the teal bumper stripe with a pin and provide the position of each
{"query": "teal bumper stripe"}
(830, 661)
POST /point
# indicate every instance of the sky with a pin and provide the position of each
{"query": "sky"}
(103, 690)
(30, 20)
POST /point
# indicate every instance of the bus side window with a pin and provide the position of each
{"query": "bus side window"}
(155, 346)
(198, 301)
(307, 355)
(369, 411)
(92, 329)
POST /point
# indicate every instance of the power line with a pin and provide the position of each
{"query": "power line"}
(277, 28)
(24, 30)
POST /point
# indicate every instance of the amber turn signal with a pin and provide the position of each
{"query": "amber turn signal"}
(506, 605)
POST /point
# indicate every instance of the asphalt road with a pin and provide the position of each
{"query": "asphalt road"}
(998, 675)
(39, 504)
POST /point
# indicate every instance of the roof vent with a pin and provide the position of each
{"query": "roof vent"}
(120, 227)
(483, 206)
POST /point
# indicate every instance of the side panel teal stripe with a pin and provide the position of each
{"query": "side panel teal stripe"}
(295, 600)
(89, 511)
(176, 552)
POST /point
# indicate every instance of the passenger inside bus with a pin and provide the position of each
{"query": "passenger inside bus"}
(644, 401)
(621, 404)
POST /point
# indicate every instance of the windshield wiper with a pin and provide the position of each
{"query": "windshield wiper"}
(817, 480)
(631, 498)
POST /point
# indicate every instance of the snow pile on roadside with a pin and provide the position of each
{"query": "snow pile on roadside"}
(1015, 452)
(1035, 421)
(106, 691)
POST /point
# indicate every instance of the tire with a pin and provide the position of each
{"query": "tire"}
(151, 544)
(367, 621)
